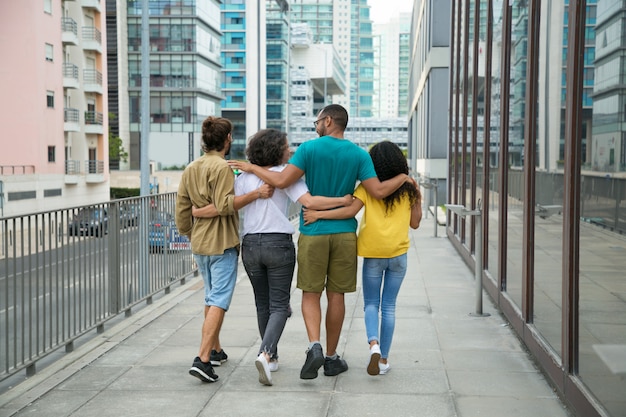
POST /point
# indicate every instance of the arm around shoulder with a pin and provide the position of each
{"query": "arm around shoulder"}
(381, 189)
(323, 203)
(282, 179)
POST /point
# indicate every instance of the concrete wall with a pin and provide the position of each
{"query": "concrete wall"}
(168, 180)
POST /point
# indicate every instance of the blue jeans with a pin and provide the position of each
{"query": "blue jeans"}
(219, 273)
(382, 276)
(269, 260)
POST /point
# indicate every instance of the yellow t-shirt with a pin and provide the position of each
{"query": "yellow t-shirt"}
(383, 234)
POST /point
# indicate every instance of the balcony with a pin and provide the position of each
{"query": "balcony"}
(95, 171)
(91, 4)
(92, 80)
(92, 39)
(93, 122)
(70, 75)
(69, 31)
(71, 119)
(72, 172)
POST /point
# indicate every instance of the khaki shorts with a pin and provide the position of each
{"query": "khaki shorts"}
(327, 261)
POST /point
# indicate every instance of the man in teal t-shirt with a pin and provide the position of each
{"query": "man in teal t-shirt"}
(327, 248)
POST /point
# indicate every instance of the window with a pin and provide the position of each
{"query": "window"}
(51, 154)
(49, 52)
(50, 99)
(47, 6)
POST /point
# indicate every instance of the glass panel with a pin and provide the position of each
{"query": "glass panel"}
(492, 205)
(515, 152)
(467, 80)
(603, 211)
(548, 240)
(454, 100)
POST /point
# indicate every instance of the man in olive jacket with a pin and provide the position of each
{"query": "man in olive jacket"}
(214, 240)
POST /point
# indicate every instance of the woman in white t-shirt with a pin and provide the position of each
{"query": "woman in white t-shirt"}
(267, 251)
(382, 241)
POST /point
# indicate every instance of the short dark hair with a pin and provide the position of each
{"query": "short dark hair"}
(215, 132)
(266, 147)
(338, 113)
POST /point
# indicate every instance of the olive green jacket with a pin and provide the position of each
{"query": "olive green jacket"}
(208, 180)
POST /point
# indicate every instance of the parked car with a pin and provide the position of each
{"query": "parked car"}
(129, 215)
(90, 221)
(163, 235)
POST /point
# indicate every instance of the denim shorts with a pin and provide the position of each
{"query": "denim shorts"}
(219, 273)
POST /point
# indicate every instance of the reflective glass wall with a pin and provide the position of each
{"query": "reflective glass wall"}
(538, 135)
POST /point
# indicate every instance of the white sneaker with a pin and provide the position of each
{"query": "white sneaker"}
(373, 367)
(384, 367)
(265, 377)
(273, 365)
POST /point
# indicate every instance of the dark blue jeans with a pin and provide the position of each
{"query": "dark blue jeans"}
(269, 260)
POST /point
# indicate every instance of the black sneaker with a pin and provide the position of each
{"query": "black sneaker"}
(218, 358)
(334, 367)
(202, 370)
(314, 360)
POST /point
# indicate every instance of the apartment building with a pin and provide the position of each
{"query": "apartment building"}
(54, 107)
(391, 69)
(185, 76)
(347, 26)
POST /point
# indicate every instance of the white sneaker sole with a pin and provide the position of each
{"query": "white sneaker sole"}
(200, 374)
(265, 377)
(372, 368)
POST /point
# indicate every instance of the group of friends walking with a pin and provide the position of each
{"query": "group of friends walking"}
(321, 176)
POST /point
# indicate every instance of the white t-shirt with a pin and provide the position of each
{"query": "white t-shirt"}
(268, 215)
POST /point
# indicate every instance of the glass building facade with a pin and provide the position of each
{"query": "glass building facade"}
(361, 60)
(327, 20)
(548, 180)
(185, 74)
(234, 57)
(278, 62)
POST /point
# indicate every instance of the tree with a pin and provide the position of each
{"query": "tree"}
(116, 150)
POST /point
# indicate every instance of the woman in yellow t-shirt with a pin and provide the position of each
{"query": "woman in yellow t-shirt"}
(383, 241)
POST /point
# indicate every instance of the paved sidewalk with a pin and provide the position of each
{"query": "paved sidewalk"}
(444, 361)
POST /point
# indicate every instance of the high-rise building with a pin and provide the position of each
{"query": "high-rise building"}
(361, 60)
(278, 63)
(54, 113)
(347, 26)
(244, 69)
(185, 75)
(391, 69)
(428, 91)
(607, 150)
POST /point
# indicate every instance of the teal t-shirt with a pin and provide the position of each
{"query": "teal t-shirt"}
(332, 167)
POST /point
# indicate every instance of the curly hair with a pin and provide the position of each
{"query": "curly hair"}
(215, 132)
(266, 147)
(389, 161)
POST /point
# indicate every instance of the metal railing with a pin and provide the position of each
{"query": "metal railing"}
(66, 273)
(95, 166)
(92, 33)
(72, 167)
(93, 118)
(69, 25)
(92, 76)
(71, 115)
(70, 70)
(17, 169)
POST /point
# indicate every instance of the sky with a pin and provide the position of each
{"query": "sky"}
(382, 10)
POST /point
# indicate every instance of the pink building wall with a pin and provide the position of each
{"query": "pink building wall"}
(28, 126)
